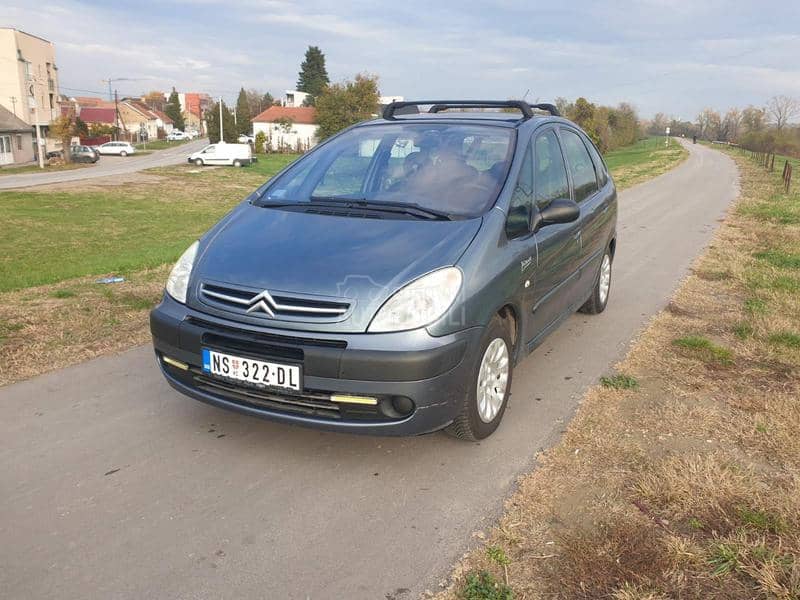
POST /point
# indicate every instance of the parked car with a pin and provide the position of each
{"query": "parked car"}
(176, 136)
(237, 155)
(118, 148)
(247, 139)
(192, 134)
(81, 154)
(389, 281)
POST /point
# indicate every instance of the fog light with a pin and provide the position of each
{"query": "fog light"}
(175, 363)
(402, 405)
(347, 399)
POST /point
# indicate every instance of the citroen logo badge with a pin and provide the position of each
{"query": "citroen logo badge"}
(262, 302)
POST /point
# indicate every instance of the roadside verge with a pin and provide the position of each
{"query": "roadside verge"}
(680, 474)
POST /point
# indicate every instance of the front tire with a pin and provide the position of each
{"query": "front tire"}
(198, 162)
(598, 301)
(237, 163)
(123, 154)
(487, 396)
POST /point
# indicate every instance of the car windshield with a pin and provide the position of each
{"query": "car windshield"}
(452, 169)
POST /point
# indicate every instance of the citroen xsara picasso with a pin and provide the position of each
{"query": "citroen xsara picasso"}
(389, 280)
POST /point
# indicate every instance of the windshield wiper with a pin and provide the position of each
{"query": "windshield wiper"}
(389, 207)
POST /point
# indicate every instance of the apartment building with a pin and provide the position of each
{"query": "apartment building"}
(28, 76)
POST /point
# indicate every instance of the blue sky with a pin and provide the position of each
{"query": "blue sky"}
(671, 56)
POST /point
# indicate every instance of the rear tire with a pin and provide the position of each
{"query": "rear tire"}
(237, 163)
(198, 162)
(490, 386)
(123, 154)
(598, 301)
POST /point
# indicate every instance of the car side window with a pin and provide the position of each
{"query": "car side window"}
(549, 174)
(584, 178)
(519, 210)
(599, 165)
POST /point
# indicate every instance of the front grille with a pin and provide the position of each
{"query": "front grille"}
(259, 338)
(309, 403)
(270, 304)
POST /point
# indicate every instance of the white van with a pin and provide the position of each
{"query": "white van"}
(223, 154)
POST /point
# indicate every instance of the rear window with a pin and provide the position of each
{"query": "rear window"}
(457, 168)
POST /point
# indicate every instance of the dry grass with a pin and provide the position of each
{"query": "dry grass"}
(50, 327)
(687, 484)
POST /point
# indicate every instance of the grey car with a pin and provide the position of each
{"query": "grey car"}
(83, 154)
(389, 281)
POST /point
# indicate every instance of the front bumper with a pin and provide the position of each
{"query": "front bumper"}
(432, 372)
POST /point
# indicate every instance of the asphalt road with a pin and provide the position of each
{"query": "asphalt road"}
(114, 486)
(106, 166)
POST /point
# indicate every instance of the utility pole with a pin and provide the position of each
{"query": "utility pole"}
(39, 140)
(14, 104)
(221, 137)
(116, 114)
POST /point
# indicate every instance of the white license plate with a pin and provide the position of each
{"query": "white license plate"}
(258, 372)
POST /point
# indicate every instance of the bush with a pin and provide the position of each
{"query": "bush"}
(260, 143)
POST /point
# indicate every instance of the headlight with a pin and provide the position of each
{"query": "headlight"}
(420, 303)
(178, 280)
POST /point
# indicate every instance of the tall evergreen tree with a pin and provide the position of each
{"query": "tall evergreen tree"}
(173, 110)
(313, 77)
(229, 129)
(243, 116)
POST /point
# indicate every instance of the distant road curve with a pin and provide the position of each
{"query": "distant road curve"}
(106, 166)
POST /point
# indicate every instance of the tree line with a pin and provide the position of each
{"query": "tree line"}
(769, 128)
(609, 127)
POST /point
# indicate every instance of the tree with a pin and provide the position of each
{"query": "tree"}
(260, 142)
(658, 125)
(753, 119)
(731, 125)
(173, 110)
(783, 109)
(258, 101)
(64, 128)
(229, 131)
(155, 100)
(344, 104)
(563, 105)
(243, 116)
(709, 124)
(313, 77)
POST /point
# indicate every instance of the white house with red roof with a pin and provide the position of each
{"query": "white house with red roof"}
(288, 128)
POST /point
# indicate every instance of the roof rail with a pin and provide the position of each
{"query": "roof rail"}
(551, 108)
(440, 105)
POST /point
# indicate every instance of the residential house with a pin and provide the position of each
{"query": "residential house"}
(138, 121)
(92, 115)
(28, 78)
(16, 139)
(287, 128)
(164, 123)
(294, 98)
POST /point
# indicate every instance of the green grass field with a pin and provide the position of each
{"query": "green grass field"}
(643, 160)
(52, 236)
(160, 144)
(34, 168)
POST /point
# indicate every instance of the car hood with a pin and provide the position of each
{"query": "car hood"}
(362, 260)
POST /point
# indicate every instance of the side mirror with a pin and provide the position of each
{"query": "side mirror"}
(562, 210)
